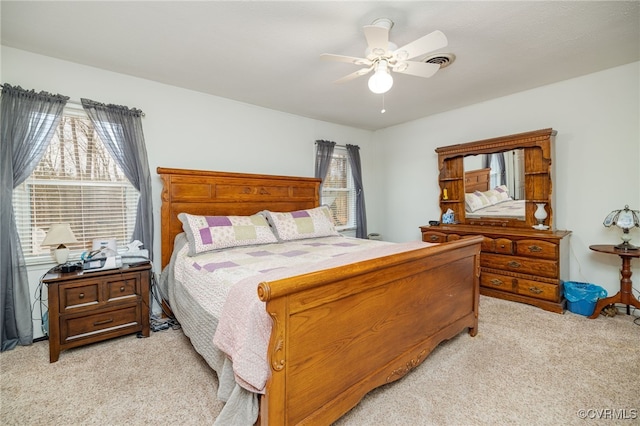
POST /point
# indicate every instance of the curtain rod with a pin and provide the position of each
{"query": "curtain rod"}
(338, 145)
(77, 103)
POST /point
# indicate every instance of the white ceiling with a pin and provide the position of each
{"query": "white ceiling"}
(267, 53)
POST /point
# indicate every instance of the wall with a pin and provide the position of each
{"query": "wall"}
(596, 161)
(187, 129)
(597, 147)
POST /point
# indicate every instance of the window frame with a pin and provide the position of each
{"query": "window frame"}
(31, 234)
(339, 151)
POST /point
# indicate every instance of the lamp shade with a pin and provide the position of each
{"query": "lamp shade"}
(60, 234)
(624, 219)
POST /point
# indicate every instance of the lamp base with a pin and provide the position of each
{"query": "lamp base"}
(61, 255)
(626, 246)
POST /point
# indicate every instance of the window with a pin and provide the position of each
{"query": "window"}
(76, 182)
(338, 191)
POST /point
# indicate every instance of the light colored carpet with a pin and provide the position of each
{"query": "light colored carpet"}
(525, 366)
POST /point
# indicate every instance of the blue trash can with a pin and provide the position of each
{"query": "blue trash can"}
(582, 297)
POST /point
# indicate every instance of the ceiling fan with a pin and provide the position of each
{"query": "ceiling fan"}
(383, 56)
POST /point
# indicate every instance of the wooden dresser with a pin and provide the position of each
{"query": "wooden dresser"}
(88, 307)
(520, 265)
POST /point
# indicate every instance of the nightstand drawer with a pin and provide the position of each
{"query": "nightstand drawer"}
(123, 288)
(89, 325)
(79, 295)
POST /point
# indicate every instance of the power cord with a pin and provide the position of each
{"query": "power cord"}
(158, 323)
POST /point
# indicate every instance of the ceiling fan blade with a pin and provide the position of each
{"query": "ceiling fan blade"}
(433, 41)
(354, 75)
(419, 69)
(342, 58)
(377, 39)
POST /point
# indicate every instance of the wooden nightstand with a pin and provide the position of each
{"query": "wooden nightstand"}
(88, 307)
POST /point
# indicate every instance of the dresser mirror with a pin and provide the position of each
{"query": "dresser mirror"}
(501, 181)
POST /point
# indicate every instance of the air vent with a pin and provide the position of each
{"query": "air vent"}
(442, 59)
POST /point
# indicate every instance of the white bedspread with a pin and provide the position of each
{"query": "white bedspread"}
(512, 209)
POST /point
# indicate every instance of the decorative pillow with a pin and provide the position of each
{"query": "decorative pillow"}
(206, 233)
(310, 223)
(475, 201)
(497, 194)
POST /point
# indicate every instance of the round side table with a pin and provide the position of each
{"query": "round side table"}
(624, 296)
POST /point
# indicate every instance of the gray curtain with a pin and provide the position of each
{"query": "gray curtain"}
(356, 171)
(28, 121)
(324, 153)
(120, 129)
(502, 169)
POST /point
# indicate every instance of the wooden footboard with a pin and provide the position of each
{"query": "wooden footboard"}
(342, 332)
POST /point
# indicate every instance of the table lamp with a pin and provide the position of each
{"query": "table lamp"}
(624, 219)
(59, 234)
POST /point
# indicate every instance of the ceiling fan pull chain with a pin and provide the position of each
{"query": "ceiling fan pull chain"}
(382, 111)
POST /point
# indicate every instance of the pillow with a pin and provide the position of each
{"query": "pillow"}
(475, 201)
(206, 233)
(497, 194)
(310, 223)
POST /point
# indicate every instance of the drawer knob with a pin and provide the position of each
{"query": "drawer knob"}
(514, 264)
(535, 290)
(433, 238)
(107, 321)
(535, 249)
(496, 281)
(121, 289)
(81, 296)
(502, 246)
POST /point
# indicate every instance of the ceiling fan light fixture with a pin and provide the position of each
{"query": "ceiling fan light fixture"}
(401, 55)
(381, 81)
(400, 67)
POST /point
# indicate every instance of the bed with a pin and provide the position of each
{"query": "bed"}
(483, 202)
(336, 333)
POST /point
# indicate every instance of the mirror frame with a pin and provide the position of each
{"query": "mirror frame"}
(538, 163)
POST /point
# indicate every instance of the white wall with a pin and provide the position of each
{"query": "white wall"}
(597, 159)
(187, 129)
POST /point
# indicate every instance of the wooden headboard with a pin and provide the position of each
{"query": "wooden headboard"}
(224, 194)
(477, 180)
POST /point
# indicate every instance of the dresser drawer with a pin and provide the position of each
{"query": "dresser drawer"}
(498, 245)
(537, 248)
(522, 265)
(438, 237)
(434, 237)
(102, 322)
(538, 289)
(522, 286)
(499, 282)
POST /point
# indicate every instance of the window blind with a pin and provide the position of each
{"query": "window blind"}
(338, 190)
(79, 183)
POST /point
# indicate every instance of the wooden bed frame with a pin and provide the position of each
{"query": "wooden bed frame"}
(338, 333)
(477, 180)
